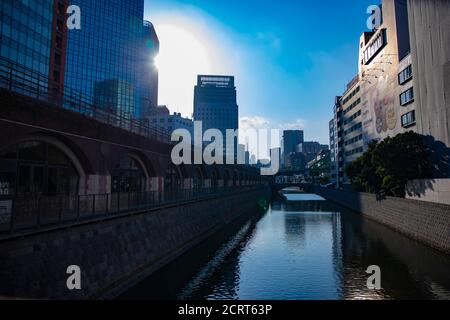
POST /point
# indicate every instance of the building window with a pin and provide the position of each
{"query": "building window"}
(353, 117)
(354, 151)
(128, 176)
(354, 128)
(351, 95)
(405, 75)
(409, 119)
(407, 97)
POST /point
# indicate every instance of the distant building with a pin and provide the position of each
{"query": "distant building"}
(247, 157)
(319, 167)
(311, 147)
(333, 151)
(148, 74)
(215, 104)
(291, 139)
(275, 153)
(241, 154)
(161, 119)
(297, 161)
(349, 127)
(111, 47)
(41, 48)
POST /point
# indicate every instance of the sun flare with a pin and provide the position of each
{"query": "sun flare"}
(181, 58)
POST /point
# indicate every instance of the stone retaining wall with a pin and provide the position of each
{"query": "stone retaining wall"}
(113, 254)
(426, 222)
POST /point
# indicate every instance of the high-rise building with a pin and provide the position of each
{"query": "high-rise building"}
(333, 151)
(297, 161)
(247, 157)
(109, 60)
(311, 147)
(291, 139)
(215, 104)
(161, 119)
(319, 167)
(108, 49)
(275, 153)
(350, 125)
(33, 35)
(148, 73)
(399, 61)
(385, 74)
(241, 154)
(429, 34)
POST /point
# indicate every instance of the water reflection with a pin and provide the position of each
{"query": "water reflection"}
(308, 249)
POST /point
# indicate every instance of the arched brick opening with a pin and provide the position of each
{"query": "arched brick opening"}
(43, 165)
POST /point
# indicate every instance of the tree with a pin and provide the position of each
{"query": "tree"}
(389, 164)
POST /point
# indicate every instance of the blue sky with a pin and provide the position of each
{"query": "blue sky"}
(290, 58)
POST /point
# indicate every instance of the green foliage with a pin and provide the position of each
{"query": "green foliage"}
(389, 165)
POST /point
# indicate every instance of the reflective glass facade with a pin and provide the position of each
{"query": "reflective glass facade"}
(26, 32)
(215, 103)
(148, 73)
(105, 51)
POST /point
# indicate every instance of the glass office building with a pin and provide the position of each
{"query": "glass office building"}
(102, 57)
(148, 73)
(215, 103)
(26, 33)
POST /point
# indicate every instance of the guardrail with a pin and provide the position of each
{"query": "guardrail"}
(20, 79)
(35, 214)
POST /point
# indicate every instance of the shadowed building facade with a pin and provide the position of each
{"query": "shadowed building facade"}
(114, 46)
(403, 82)
(215, 104)
(291, 139)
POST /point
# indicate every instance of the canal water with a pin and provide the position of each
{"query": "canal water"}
(301, 248)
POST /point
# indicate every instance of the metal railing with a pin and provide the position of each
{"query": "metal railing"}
(20, 79)
(29, 214)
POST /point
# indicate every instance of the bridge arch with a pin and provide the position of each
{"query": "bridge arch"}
(173, 178)
(226, 178)
(199, 177)
(130, 174)
(42, 164)
(235, 178)
(215, 177)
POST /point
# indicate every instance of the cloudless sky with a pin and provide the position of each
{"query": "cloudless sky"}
(290, 58)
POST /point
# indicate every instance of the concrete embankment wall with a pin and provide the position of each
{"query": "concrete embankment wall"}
(426, 222)
(114, 254)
